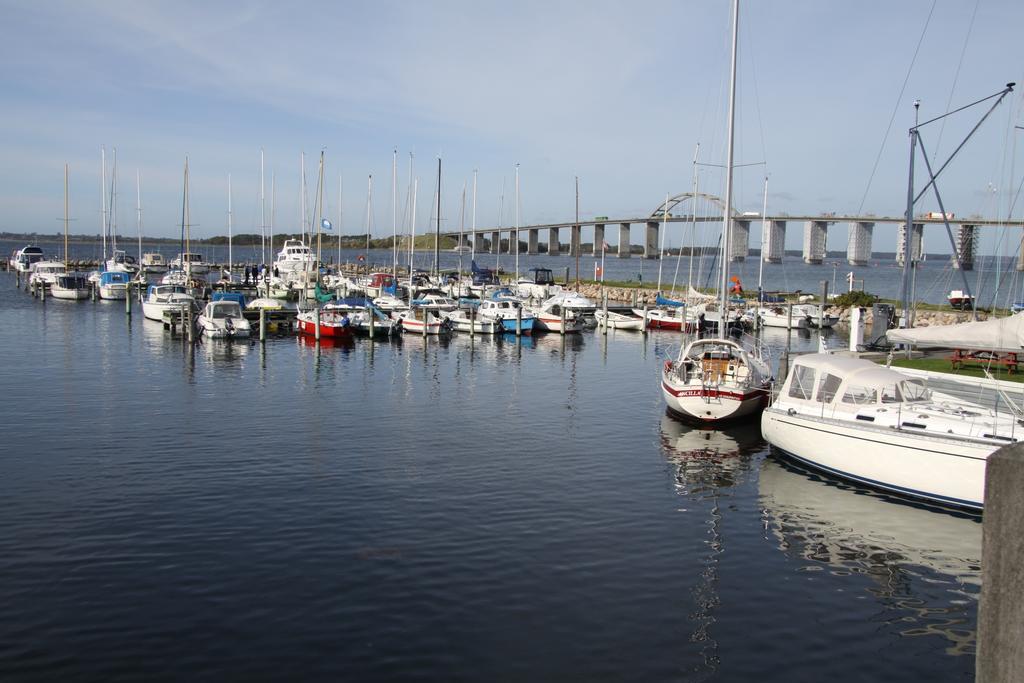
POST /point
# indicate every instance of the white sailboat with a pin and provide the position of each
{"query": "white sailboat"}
(69, 286)
(718, 380)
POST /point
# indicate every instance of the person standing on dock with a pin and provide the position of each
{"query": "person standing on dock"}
(248, 273)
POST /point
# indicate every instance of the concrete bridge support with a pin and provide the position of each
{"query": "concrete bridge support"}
(554, 246)
(624, 246)
(575, 239)
(858, 251)
(651, 249)
(815, 238)
(532, 239)
(739, 242)
(965, 247)
(916, 236)
(598, 238)
(495, 242)
(773, 242)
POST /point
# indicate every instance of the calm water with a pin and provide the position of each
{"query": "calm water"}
(434, 510)
(994, 281)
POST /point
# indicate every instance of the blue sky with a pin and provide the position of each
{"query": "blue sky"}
(617, 93)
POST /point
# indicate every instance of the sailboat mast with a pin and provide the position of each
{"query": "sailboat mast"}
(103, 200)
(412, 230)
(369, 219)
(319, 215)
(302, 192)
(65, 215)
(230, 253)
(341, 198)
(138, 213)
(394, 211)
(909, 226)
(473, 248)
(185, 220)
(273, 209)
(462, 226)
(113, 207)
(517, 223)
(727, 213)
(579, 238)
(765, 228)
(661, 247)
(263, 212)
(437, 230)
(693, 226)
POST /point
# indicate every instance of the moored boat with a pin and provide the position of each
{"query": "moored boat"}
(22, 259)
(715, 381)
(874, 425)
(223, 320)
(71, 287)
(161, 298)
(618, 321)
(154, 262)
(113, 284)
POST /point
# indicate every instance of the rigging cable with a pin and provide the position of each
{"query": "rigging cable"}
(895, 109)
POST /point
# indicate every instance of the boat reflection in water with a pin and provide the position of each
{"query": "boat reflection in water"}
(708, 464)
(708, 460)
(925, 566)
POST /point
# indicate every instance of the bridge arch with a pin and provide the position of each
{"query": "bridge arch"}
(672, 202)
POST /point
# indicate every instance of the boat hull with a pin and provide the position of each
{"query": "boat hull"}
(949, 472)
(113, 292)
(327, 329)
(712, 405)
(74, 294)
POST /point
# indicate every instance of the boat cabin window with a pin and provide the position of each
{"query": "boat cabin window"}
(859, 395)
(914, 391)
(827, 388)
(801, 383)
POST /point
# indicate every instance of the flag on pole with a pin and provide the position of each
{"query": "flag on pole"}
(605, 245)
(326, 224)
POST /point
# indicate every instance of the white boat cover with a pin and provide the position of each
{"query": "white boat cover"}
(1000, 335)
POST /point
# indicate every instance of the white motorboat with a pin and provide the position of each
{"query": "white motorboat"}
(191, 263)
(45, 273)
(715, 380)
(783, 316)
(553, 316)
(462, 320)
(161, 298)
(113, 284)
(436, 300)
(575, 302)
(224, 320)
(71, 287)
(874, 425)
(22, 259)
(618, 321)
(391, 305)
(539, 287)
(508, 313)
(121, 261)
(424, 320)
(295, 256)
(154, 262)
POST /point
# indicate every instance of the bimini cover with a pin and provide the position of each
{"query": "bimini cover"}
(1001, 335)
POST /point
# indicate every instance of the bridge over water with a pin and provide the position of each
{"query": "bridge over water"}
(815, 230)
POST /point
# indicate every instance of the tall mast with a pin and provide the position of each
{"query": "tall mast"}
(517, 223)
(394, 211)
(693, 224)
(319, 214)
(437, 230)
(186, 219)
(727, 213)
(369, 219)
(138, 213)
(501, 220)
(909, 230)
(302, 192)
(113, 207)
(579, 239)
(231, 259)
(462, 226)
(473, 248)
(661, 247)
(273, 209)
(103, 200)
(65, 215)
(412, 230)
(263, 214)
(341, 198)
(764, 238)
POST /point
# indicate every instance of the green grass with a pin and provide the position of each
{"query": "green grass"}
(974, 369)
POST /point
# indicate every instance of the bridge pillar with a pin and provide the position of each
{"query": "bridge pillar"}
(815, 237)
(598, 238)
(916, 236)
(773, 242)
(496, 242)
(554, 247)
(624, 246)
(513, 242)
(651, 240)
(575, 238)
(858, 251)
(532, 240)
(965, 247)
(739, 243)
